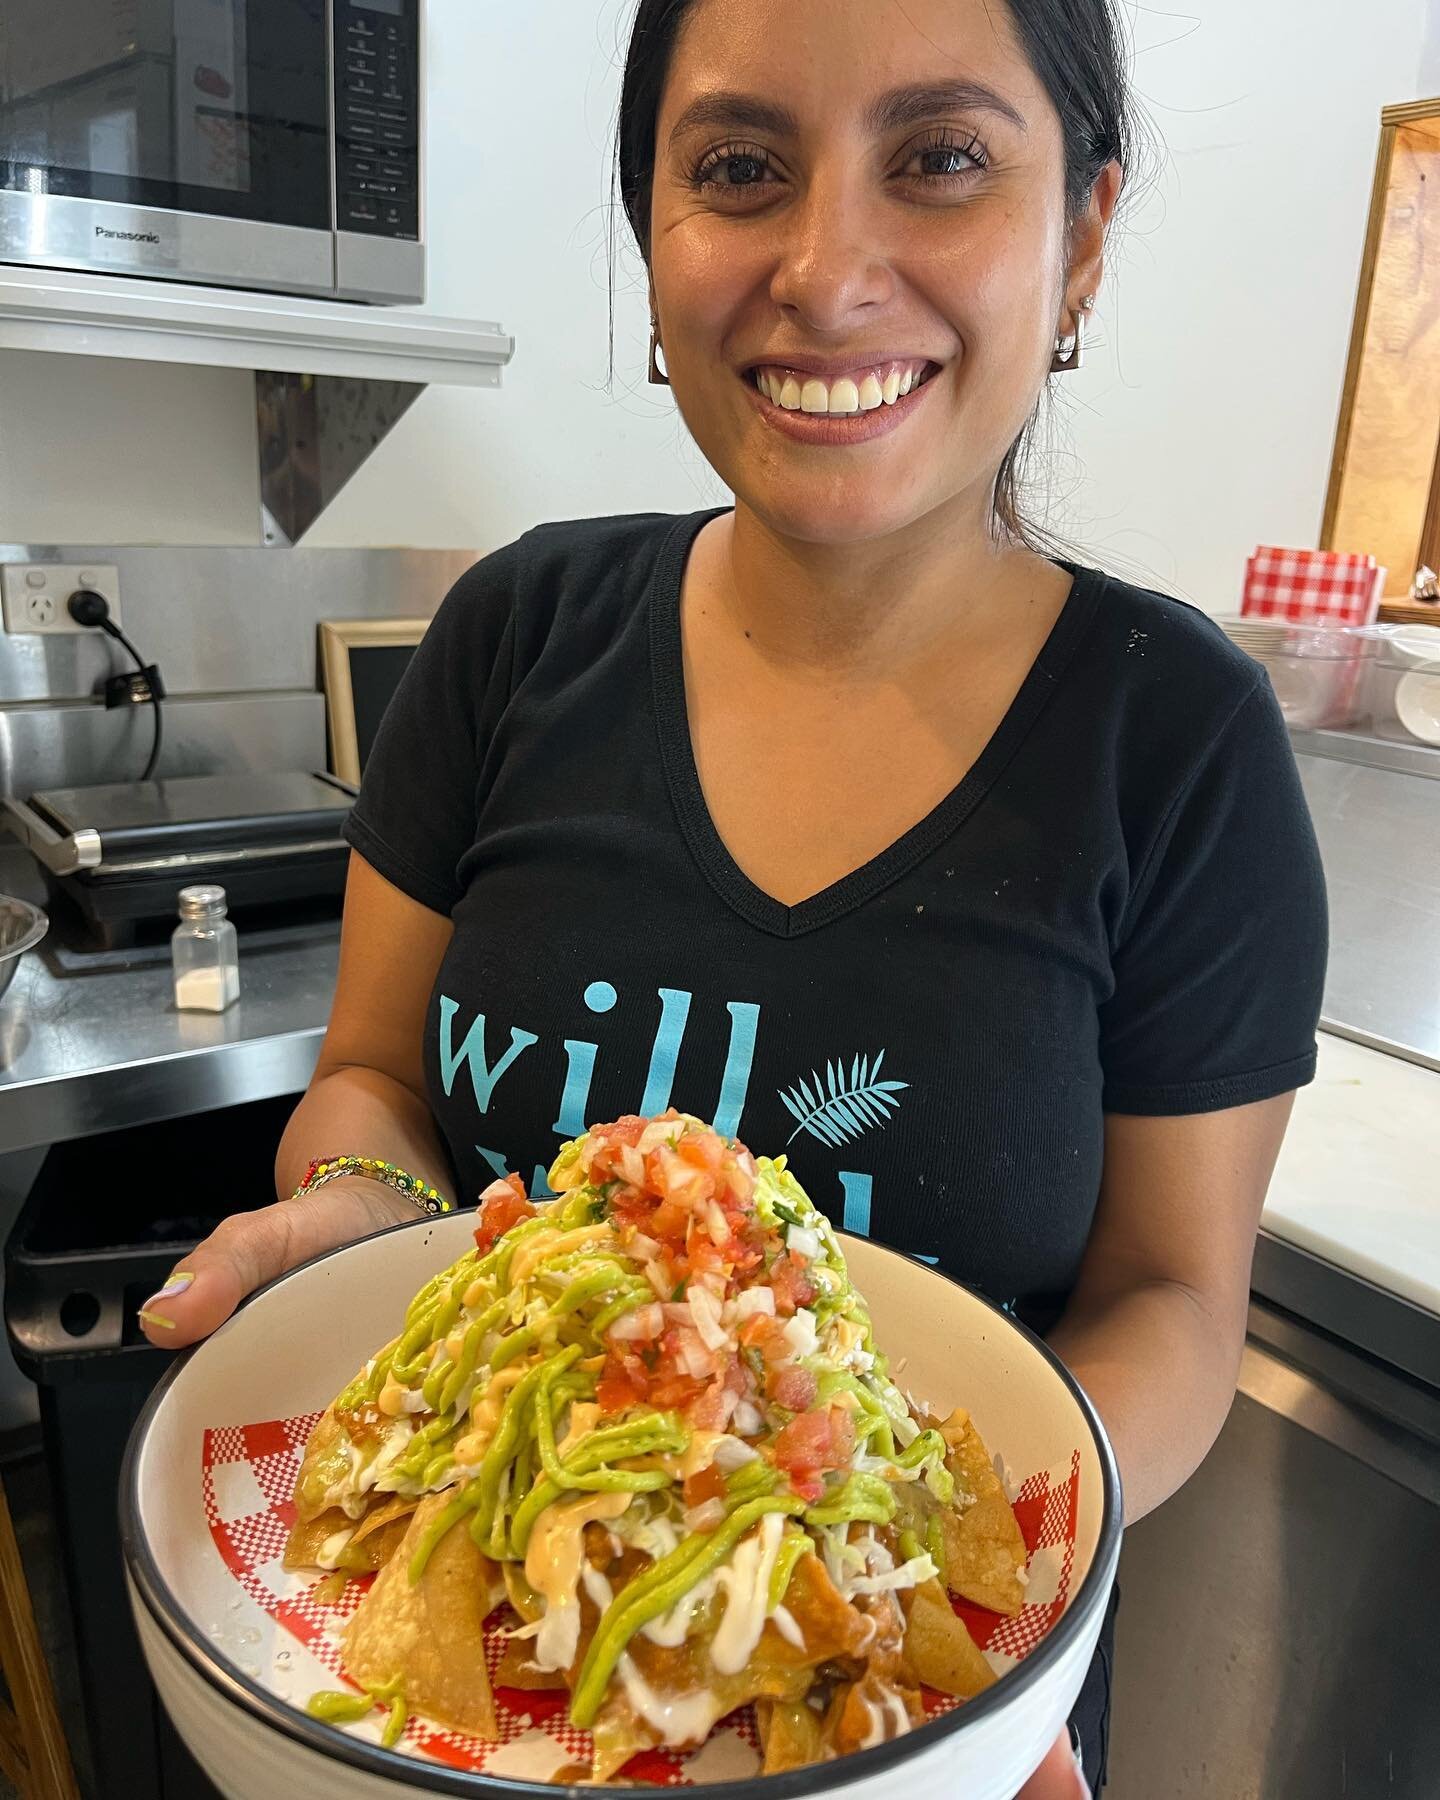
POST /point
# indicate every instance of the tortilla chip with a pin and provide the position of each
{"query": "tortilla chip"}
(430, 1633)
(372, 1542)
(310, 1536)
(831, 1627)
(984, 1551)
(778, 1670)
(516, 1670)
(938, 1649)
(326, 1465)
(618, 1734)
(857, 1708)
(790, 1735)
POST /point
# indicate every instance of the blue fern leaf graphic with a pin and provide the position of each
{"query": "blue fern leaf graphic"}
(793, 1107)
(836, 1111)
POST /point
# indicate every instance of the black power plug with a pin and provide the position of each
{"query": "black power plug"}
(92, 610)
(86, 607)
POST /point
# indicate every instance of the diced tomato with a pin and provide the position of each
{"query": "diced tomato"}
(677, 1179)
(712, 1410)
(842, 1437)
(669, 1222)
(674, 1391)
(626, 1130)
(622, 1384)
(793, 1286)
(702, 1150)
(812, 1443)
(756, 1330)
(707, 1484)
(805, 1442)
(793, 1388)
(502, 1205)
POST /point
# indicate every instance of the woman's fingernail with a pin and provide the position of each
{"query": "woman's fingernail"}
(153, 1318)
(177, 1284)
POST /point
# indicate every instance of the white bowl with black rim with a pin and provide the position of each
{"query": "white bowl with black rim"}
(234, 1679)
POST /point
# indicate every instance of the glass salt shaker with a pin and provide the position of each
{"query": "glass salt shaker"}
(205, 953)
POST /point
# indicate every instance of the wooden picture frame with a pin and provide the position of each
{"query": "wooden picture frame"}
(1384, 492)
(341, 640)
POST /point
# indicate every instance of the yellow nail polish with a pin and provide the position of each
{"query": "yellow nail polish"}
(154, 1318)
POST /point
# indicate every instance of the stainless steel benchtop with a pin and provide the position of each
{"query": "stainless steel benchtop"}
(92, 1043)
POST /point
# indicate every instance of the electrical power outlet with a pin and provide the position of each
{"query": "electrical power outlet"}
(35, 594)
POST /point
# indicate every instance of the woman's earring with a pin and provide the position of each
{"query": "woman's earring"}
(1070, 350)
(658, 377)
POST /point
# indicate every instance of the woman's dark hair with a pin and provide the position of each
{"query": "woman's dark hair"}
(1077, 49)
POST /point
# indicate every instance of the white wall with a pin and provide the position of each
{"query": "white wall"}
(1203, 424)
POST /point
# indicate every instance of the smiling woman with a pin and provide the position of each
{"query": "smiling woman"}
(1053, 123)
(846, 818)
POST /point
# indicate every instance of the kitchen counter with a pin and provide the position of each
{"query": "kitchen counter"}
(94, 1042)
(1358, 1183)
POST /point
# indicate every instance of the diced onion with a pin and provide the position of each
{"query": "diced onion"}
(755, 1300)
(705, 1312)
(707, 1517)
(494, 1191)
(632, 1165)
(655, 1275)
(640, 1326)
(748, 1419)
(715, 1223)
(654, 1135)
(693, 1357)
(642, 1247)
(800, 1240)
(730, 1453)
(800, 1333)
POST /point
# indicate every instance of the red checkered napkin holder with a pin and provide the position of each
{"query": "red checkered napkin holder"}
(1312, 587)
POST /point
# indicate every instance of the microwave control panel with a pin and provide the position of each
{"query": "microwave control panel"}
(377, 117)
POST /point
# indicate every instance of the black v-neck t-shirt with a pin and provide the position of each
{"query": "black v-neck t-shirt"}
(1120, 909)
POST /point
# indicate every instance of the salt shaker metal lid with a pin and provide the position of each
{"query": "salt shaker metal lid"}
(206, 901)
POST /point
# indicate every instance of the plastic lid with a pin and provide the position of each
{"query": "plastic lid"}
(204, 902)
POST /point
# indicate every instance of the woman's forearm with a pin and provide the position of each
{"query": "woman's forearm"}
(1161, 1370)
(357, 1111)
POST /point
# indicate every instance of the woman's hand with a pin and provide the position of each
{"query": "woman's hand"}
(249, 1249)
(1057, 1778)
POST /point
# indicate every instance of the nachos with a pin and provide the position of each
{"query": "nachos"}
(651, 1416)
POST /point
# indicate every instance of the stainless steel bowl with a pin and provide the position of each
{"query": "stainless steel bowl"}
(22, 927)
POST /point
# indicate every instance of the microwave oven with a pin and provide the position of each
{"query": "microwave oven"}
(266, 144)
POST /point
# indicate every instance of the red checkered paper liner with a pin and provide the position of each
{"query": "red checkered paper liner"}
(1312, 587)
(249, 1474)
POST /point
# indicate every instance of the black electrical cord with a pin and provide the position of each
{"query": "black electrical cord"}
(91, 609)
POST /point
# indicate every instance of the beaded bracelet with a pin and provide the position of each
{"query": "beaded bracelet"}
(331, 1168)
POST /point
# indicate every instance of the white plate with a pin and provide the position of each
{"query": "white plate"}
(1417, 704)
(299, 1341)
